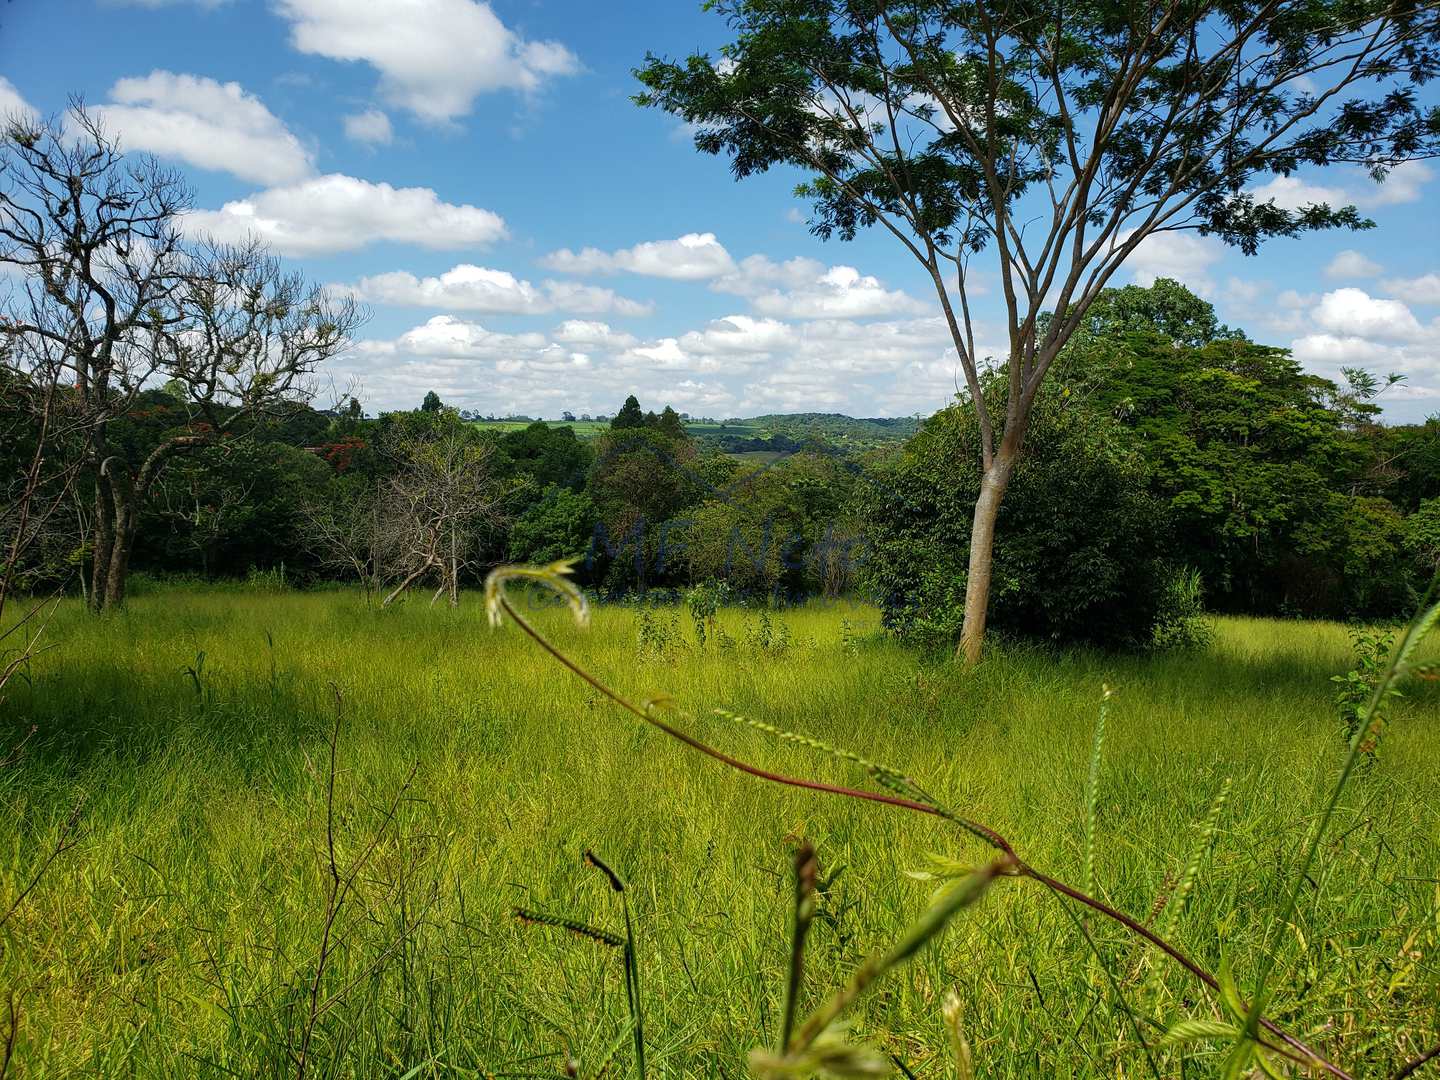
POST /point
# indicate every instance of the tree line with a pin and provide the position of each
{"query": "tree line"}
(1176, 450)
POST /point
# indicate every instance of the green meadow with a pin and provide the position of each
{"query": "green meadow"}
(168, 768)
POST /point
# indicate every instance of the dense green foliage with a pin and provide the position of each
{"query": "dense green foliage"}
(1065, 569)
(178, 937)
(1282, 489)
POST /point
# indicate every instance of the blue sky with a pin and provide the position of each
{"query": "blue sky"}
(530, 241)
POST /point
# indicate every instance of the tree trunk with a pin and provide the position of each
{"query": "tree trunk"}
(125, 521)
(982, 552)
(406, 584)
(104, 544)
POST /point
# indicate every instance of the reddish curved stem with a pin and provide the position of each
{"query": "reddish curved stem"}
(1021, 868)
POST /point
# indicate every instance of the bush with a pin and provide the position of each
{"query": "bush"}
(1080, 542)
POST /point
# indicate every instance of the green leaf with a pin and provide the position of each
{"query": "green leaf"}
(1189, 1031)
(1230, 997)
(1239, 1060)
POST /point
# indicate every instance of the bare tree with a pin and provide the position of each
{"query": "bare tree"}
(114, 299)
(1060, 136)
(442, 498)
(344, 533)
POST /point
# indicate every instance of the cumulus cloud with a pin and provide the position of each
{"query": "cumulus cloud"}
(798, 288)
(1183, 256)
(333, 213)
(1352, 264)
(435, 57)
(208, 124)
(467, 287)
(1355, 313)
(692, 257)
(1424, 289)
(592, 334)
(13, 103)
(1404, 184)
(739, 362)
(727, 344)
(1291, 193)
(371, 127)
(803, 288)
(1350, 328)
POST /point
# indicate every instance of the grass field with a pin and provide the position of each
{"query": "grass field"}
(589, 428)
(179, 934)
(583, 428)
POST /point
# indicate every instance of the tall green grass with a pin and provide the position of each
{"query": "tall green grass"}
(179, 935)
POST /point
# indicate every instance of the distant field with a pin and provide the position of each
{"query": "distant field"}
(179, 935)
(582, 427)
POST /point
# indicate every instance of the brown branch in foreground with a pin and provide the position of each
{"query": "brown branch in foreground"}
(10, 1034)
(1019, 868)
(1414, 1065)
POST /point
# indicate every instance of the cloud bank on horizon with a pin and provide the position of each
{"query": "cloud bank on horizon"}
(530, 242)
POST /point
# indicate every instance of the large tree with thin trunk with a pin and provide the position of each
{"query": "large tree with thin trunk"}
(108, 297)
(1056, 138)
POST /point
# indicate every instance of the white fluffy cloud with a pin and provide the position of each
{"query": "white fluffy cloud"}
(1424, 289)
(434, 56)
(477, 288)
(692, 257)
(204, 123)
(593, 335)
(735, 364)
(1350, 328)
(12, 103)
(803, 288)
(1352, 264)
(1291, 193)
(1183, 256)
(725, 345)
(333, 213)
(1355, 313)
(371, 127)
(1404, 184)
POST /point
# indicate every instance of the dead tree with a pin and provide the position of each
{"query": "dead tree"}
(436, 508)
(115, 299)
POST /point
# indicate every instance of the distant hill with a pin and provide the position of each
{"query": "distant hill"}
(783, 433)
(768, 434)
(837, 427)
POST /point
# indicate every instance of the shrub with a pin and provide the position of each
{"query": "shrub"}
(1080, 542)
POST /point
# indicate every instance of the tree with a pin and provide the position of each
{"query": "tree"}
(668, 423)
(114, 298)
(341, 526)
(550, 455)
(1084, 553)
(1267, 472)
(558, 524)
(432, 403)
(629, 415)
(442, 497)
(1060, 137)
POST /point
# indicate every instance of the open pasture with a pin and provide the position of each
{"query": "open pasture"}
(178, 931)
